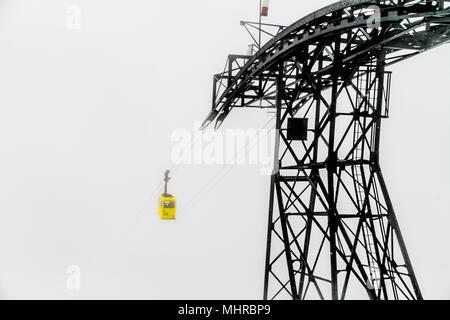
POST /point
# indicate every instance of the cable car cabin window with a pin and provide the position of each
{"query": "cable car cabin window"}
(169, 204)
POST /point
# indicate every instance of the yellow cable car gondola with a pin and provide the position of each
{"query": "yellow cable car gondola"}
(167, 204)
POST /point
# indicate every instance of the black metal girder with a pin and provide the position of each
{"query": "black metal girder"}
(336, 231)
(399, 20)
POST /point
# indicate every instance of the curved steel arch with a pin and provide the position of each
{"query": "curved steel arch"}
(402, 22)
(336, 234)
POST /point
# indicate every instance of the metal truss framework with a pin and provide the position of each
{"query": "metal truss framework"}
(333, 232)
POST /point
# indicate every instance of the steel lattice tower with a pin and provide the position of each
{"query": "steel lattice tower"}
(332, 228)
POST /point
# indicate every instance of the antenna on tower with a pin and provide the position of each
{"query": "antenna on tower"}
(262, 29)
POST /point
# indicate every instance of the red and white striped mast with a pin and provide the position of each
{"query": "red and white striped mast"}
(263, 12)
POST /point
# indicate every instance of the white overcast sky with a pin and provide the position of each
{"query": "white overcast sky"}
(86, 118)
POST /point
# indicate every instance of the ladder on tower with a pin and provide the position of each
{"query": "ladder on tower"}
(365, 97)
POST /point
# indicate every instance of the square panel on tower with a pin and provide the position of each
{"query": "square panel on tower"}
(297, 129)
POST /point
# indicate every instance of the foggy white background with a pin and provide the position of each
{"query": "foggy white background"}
(86, 118)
